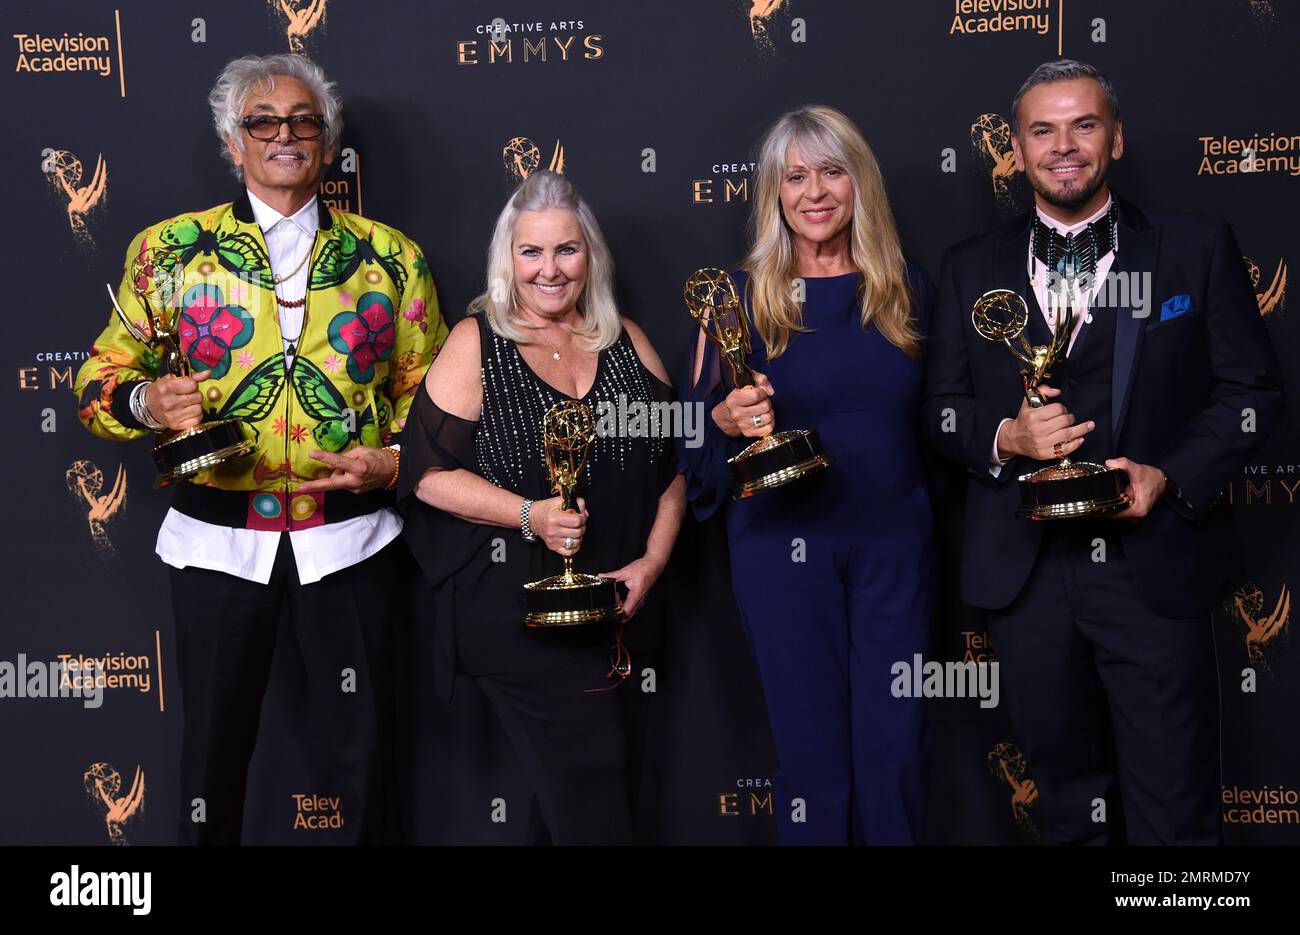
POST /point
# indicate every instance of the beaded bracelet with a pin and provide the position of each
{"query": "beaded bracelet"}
(397, 465)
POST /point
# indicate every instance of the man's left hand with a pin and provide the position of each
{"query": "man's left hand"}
(358, 470)
(1146, 485)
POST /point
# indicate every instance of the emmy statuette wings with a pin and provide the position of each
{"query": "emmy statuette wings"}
(157, 279)
(776, 459)
(569, 598)
(1069, 488)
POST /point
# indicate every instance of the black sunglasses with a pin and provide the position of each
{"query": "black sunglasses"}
(266, 127)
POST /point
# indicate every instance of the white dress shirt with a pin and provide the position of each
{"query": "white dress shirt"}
(1051, 303)
(184, 541)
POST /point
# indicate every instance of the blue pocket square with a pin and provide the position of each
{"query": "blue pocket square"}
(1175, 307)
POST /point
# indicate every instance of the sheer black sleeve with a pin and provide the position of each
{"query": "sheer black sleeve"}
(434, 439)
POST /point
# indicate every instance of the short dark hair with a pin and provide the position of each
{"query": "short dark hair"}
(1063, 69)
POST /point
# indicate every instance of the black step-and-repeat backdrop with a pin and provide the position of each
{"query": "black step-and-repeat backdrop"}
(653, 109)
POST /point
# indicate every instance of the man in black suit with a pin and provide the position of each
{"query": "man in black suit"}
(1102, 625)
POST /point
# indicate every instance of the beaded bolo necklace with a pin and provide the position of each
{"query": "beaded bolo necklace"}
(1074, 256)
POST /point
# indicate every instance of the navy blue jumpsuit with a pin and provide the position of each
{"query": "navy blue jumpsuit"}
(831, 573)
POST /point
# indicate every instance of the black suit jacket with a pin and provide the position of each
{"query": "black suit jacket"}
(1182, 390)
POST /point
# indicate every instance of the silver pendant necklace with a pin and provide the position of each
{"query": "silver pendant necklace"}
(556, 351)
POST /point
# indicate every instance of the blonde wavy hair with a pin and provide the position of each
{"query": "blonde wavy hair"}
(825, 137)
(601, 324)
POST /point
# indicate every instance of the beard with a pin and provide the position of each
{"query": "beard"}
(1068, 198)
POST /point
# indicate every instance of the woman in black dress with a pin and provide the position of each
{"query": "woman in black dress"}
(473, 483)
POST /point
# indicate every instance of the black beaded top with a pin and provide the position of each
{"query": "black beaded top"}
(507, 445)
(476, 572)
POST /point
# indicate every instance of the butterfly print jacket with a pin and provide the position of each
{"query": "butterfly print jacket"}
(371, 329)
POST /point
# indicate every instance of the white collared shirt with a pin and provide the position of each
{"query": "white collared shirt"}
(288, 240)
(186, 542)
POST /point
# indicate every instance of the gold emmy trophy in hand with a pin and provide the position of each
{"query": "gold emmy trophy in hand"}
(569, 598)
(1069, 488)
(157, 276)
(776, 459)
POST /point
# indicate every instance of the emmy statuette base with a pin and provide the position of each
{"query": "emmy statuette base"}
(1072, 490)
(198, 448)
(777, 460)
(568, 600)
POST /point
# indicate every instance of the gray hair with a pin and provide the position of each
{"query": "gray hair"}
(541, 191)
(241, 77)
(1063, 69)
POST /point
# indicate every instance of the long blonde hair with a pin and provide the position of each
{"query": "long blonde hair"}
(825, 137)
(601, 324)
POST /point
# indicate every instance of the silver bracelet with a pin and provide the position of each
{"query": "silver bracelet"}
(140, 409)
(525, 513)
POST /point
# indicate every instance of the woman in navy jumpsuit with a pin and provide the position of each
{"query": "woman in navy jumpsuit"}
(831, 572)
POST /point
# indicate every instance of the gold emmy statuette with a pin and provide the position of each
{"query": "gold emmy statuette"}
(569, 598)
(776, 459)
(157, 277)
(1070, 488)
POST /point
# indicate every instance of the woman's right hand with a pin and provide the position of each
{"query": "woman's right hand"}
(553, 525)
(735, 414)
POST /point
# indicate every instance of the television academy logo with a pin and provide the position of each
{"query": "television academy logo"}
(522, 156)
(1255, 154)
(86, 484)
(1273, 298)
(64, 172)
(1008, 764)
(317, 812)
(990, 138)
(65, 53)
(301, 18)
(341, 187)
(972, 17)
(1247, 605)
(103, 783)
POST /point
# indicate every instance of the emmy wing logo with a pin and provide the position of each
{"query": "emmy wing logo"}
(1273, 298)
(522, 157)
(990, 138)
(1248, 604)
(1008, 765)
(65, 172)
(761, 14)
(86, 484)
(301, 17)
(103, 783)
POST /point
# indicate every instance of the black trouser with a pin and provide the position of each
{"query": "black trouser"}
(571, 746)
(225, 638)
(1101, 688)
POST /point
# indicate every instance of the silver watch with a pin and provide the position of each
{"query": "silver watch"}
(525, 513)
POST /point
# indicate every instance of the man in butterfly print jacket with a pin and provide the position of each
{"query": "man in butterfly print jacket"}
(303, 525)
